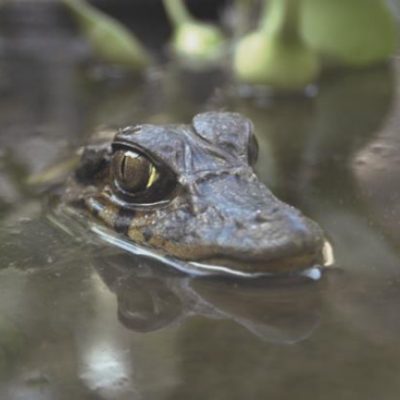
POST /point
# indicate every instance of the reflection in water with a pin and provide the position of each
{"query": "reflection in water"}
(166, 95)
(277, 310)
(311, 138)
(351, 112)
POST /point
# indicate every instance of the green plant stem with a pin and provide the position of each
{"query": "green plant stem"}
(281, 18)
(177, 12)
(80, 9)
(243, 11)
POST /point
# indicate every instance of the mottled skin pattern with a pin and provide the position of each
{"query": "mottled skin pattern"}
(219, 213)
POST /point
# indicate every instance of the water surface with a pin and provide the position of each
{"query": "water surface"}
(81, 320)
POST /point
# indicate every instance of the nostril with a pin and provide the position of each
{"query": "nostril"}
(239, 224)
(260, 216)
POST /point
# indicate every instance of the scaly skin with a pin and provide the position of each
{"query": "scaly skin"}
(218, 211)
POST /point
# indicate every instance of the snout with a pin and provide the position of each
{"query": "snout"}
(285, 242)
(234, 223)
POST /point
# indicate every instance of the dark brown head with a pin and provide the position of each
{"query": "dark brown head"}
(189, 191)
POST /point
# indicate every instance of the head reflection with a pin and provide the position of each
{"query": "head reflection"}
(146, 305)
(151, 297)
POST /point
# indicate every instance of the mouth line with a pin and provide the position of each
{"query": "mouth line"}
(200, 268)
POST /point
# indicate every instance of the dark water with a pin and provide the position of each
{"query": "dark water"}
(80, 320)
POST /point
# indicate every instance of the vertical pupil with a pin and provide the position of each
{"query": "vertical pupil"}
(124, 166)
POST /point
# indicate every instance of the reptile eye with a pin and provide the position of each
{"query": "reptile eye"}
(138, 180)
(133, 172)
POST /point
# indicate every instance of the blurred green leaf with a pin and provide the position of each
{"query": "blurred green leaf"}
(349, 32)
(109, 39)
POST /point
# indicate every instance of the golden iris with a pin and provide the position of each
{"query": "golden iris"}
(133, 172)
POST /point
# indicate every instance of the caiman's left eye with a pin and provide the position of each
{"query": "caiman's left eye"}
(133, 172)
(138, 180)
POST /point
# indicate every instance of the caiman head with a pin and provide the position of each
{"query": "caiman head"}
(189, 192)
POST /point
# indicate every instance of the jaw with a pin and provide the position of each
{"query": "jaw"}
(287, 265)
(291, 264)
(308, 266)
(200, 269)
